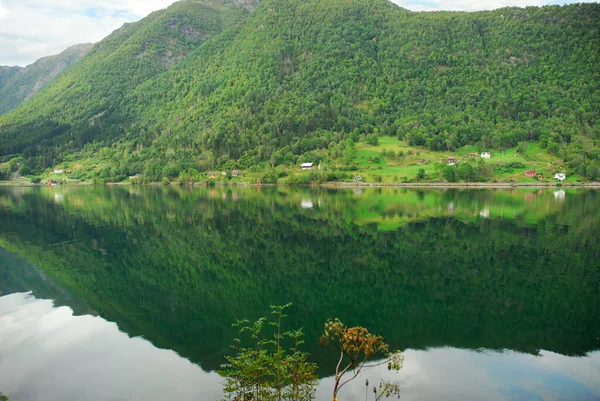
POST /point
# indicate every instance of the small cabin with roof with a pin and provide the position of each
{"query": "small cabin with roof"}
(530, 173)
(560, 176)
(486, 155)
(235, 173)
(307, 166)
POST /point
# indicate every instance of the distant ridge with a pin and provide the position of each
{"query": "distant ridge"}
(21, 84)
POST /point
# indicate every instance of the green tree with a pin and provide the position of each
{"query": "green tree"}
(373, 139)
(466, 172)
(449, 174)
(523, 147)
(592, 172)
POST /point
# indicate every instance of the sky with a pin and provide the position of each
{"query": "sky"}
(31, 29)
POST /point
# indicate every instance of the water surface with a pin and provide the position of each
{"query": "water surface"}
(129, 293)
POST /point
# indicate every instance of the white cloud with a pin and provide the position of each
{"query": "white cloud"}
(475, 5)
(46, 353)
(31, 29)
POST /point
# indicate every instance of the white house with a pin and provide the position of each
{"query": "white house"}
(485, 155)
(58, 171)
(307, 166)
(358, 178)
(560, 176)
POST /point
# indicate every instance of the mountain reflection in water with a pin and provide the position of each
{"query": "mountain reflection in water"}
(444, 273)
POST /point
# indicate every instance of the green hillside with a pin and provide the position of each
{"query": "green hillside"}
(21, 84)
(79, 107)
(306, 80)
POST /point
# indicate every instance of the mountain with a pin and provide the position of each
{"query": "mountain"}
(18, 85)
(204, 85)
(7, 74)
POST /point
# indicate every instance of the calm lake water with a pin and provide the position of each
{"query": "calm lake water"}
(125, 293)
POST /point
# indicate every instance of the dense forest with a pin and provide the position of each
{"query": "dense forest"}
(200, 86)
(178, 267)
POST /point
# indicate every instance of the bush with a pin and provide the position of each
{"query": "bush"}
(269, 177)
(272, 367)
(373, 140)
(165, 181)
(24, 170)
(449, 174)
(592, 172)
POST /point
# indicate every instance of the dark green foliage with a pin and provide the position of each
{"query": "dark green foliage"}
(373, 140)
(269, 177)
(299, 76)
(466, 172)
(176, 265)
(592, 172)
(522, 148)
(449, 174)
(509, 167)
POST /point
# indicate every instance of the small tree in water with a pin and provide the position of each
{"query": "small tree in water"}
(356, 347)
(268, 370)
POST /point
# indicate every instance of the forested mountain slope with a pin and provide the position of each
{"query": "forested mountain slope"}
(22, 83)
(297, 77)
(68, 114)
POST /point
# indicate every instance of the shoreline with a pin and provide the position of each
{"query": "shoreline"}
(475, 185)
(464, 185)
